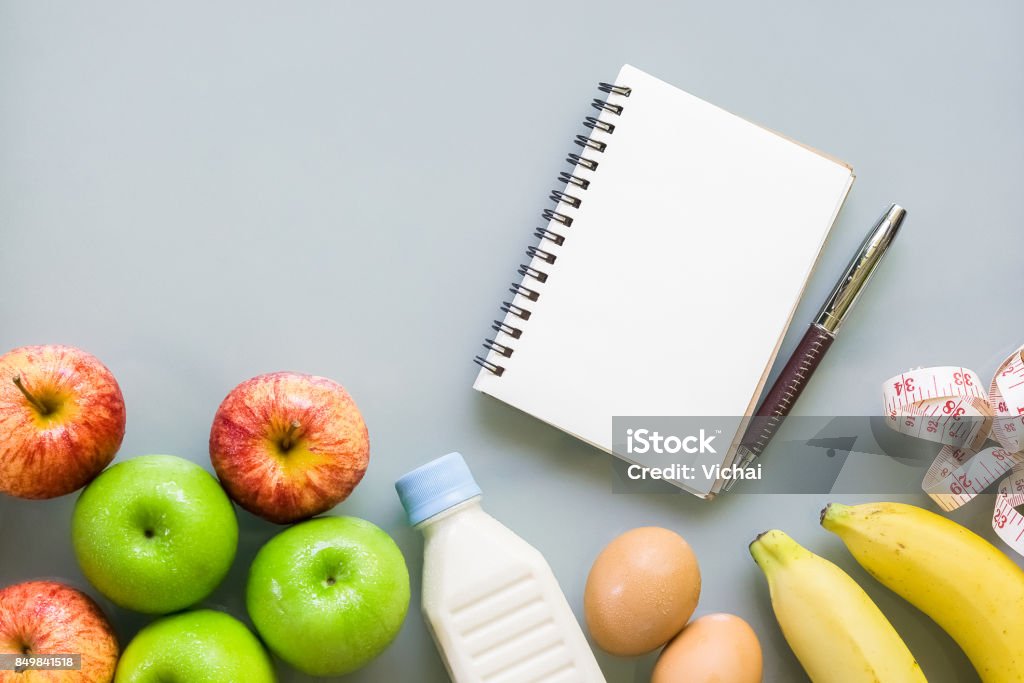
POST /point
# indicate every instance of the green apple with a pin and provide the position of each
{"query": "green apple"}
(198, 647)
(155, 534)
(328, 595)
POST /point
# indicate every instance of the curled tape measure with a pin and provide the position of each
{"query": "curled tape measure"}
(950, 406)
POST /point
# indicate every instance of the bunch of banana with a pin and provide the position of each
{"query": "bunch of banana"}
(837, 632)
(964, 583)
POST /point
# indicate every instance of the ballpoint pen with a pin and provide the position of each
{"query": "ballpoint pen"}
(817, 340)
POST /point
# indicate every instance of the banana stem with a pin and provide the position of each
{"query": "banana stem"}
(764, 548)
(831, 514)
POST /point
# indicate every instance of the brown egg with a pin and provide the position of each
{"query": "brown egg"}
(641, 591)
(717, 648)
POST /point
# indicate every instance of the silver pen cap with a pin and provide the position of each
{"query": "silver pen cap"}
(851, 284)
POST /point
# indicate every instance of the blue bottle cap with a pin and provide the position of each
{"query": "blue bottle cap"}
(435, 487)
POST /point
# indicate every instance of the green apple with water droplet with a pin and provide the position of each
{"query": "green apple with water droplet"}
(328, 595)
(155, 534)
(204, 646)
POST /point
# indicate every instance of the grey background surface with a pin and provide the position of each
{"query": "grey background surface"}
(201, 192)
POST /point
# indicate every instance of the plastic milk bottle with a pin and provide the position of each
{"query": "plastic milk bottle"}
(490, 599)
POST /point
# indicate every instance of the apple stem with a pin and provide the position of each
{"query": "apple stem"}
(36, 403)
(289, 436)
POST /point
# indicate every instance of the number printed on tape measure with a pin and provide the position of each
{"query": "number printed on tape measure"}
(948, 405)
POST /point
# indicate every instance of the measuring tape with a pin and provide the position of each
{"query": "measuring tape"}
(950, 406)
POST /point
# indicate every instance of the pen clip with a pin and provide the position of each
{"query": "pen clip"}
(849, 287)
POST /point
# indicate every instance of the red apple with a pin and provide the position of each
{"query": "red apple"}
(288, 446)
(48, 618)
(62, 420)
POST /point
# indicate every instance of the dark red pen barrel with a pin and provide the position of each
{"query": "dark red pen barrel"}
(787, 388)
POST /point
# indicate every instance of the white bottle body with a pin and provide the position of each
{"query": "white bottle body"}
(494, 606)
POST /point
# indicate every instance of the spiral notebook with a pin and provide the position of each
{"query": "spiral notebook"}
(667, 269)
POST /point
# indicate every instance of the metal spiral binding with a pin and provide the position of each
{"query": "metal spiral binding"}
(577, 160)
(568, 197)
(537, 252)
(526, 292)
(585, 142)
(602, 105)
(623, 90)
(558, 217)
(565, 198)
(538, 275)
(545, 234)
(570, 179)
(594, 123)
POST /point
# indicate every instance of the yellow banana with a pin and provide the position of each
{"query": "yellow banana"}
(837, 632)
(963, 582)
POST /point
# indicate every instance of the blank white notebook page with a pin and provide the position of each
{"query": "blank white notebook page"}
(680, 272)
